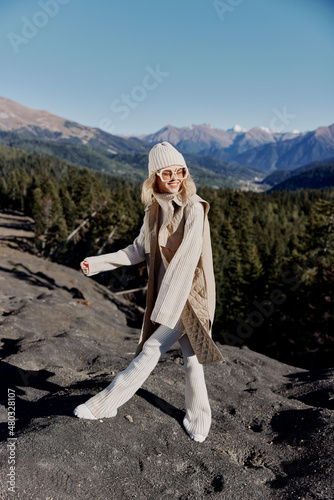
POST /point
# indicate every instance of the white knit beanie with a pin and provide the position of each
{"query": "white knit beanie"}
(164, 155)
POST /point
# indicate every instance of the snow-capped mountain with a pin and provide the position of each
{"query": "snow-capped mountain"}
(224, 144)
(193, 139)
(291, 153)
(258, 147)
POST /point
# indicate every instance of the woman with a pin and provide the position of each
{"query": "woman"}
(175, 241)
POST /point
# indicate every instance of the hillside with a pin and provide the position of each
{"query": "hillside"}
(131, 166)
(321, 177)
(44, 125)
(281, 175)
(64, 338)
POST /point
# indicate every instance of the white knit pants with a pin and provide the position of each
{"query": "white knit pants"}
(198, 414)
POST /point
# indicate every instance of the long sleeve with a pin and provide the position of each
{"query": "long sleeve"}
(177, 281)
(133, 254)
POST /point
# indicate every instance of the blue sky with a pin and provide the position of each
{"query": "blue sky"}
(132, 67)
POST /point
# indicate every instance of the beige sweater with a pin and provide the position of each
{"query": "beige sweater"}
(170, 299)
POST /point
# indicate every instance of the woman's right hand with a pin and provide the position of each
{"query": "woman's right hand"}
(85, 267)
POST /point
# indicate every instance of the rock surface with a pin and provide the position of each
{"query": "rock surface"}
(64, 337)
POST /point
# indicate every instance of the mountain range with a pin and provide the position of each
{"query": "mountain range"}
(236, 157)
(207, 140)
(44, 125)
(258, 147)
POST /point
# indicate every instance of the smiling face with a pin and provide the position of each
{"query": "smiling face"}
(171, 187)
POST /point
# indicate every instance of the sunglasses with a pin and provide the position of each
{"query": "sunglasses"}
(167, 174)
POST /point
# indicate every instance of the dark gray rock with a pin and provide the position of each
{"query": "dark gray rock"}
(63, 338)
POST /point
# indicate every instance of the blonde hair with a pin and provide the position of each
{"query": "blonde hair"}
(150, 186)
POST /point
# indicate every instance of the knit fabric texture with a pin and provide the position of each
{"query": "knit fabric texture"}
(200, 310)
(164, 155)
(197, 420)
(170, 303)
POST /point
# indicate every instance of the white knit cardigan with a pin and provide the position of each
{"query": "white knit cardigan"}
(170, 300)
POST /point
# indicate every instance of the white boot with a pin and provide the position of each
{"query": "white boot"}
(197, 421)
(128, 381)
